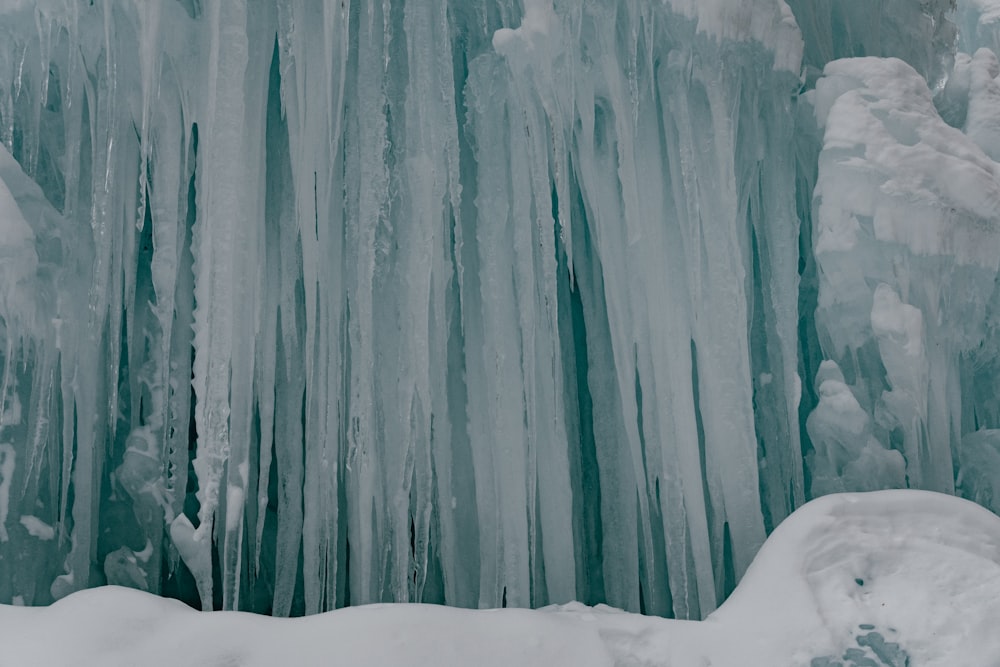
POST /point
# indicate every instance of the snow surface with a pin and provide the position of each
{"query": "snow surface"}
(889, 576)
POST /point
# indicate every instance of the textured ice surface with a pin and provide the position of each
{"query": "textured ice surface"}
(846, 580)
(907, 246)
(489, 303)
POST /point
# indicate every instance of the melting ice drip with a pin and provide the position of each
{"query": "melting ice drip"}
(312, 303)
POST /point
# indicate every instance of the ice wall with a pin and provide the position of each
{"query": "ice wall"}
(482, 303)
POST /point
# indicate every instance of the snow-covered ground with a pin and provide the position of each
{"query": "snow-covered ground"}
(884, 578)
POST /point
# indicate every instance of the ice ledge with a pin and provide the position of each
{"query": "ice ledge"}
(890, 576)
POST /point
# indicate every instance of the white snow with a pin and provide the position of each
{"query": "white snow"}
(914, 574)
(37, 528)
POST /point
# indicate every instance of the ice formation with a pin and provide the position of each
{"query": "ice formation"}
(488, 303)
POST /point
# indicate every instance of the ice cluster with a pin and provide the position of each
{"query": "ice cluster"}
(315, 303)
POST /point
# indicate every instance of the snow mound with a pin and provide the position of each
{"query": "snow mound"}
(884, 578)
(920, 568)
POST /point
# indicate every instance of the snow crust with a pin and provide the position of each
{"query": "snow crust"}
(846, 577)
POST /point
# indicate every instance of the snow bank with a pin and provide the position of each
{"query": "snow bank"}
(889, 576)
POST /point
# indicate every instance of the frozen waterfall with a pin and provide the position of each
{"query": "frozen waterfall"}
(314, 303)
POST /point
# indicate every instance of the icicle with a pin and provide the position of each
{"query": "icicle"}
(149, 16)
(221, 231)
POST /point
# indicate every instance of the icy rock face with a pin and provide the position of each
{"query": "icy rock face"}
(653, 276)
